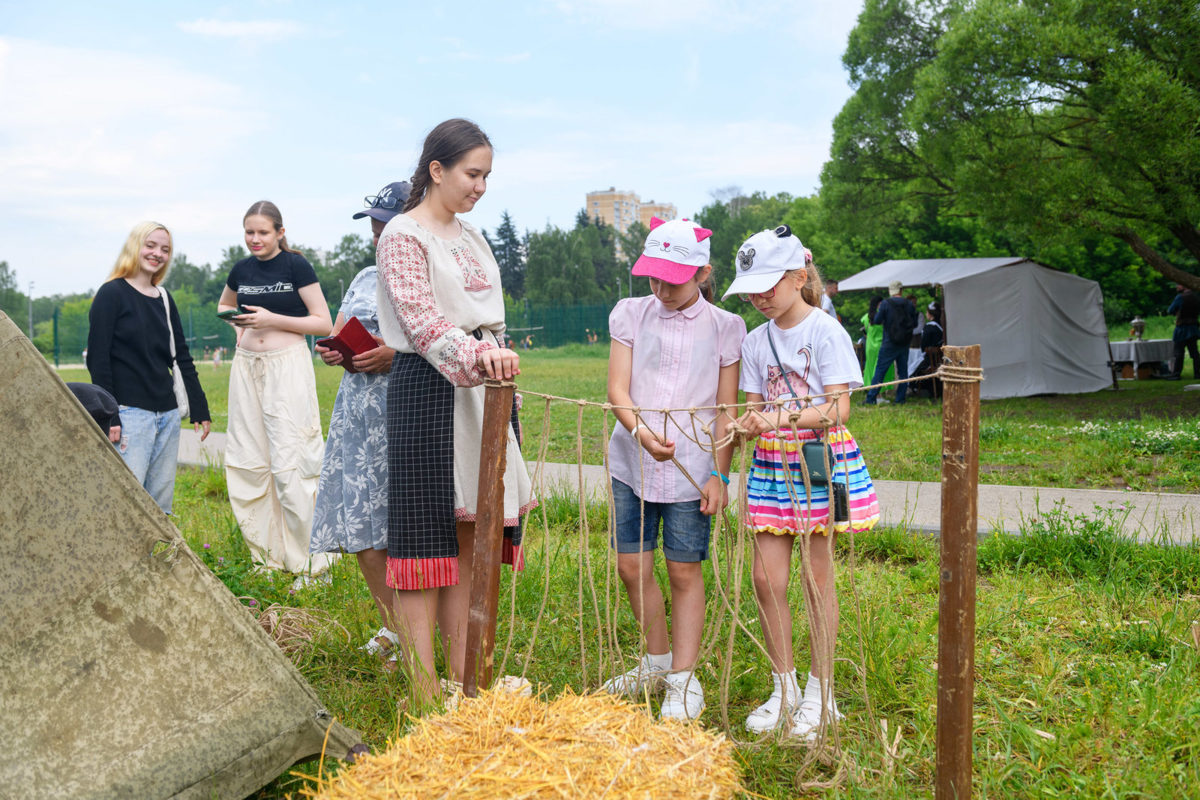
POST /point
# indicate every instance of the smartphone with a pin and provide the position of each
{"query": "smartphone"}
(841, 502)
(232, 312)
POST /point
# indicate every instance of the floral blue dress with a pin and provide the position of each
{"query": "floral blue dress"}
(352, 513)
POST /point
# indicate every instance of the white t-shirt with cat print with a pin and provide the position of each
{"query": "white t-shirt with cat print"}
(816, 353)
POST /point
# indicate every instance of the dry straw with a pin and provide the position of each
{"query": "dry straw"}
(502, 745)
(293, 629)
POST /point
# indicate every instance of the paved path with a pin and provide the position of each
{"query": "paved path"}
(917, 505)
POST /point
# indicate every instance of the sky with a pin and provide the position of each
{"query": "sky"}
(187, 113)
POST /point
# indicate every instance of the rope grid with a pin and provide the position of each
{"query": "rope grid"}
(602, 652)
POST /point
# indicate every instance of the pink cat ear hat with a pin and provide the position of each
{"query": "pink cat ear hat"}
(674, 250)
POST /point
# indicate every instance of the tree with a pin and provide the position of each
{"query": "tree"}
(510, 256)
(11, 299)
(1055, 119)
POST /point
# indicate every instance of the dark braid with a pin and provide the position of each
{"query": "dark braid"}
(445, 144)
(265, 208)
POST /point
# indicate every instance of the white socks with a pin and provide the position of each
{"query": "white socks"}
(661, 662)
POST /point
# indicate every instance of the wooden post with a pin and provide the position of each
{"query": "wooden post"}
(956, 596)
(489, 538)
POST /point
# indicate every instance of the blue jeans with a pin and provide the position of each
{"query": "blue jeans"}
(150, 446)
(890, 352)
(685, 530)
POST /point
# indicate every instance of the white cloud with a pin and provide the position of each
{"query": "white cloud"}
(672, 15)
(92, 141)
(262, 30)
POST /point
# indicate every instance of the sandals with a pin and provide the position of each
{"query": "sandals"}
(375, 648)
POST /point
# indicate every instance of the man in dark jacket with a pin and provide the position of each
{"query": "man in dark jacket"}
(1186, 308)
(898, 317)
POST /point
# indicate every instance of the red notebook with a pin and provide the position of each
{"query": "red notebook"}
(352, 340)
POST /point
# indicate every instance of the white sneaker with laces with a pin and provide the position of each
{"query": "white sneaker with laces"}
(646, 675)
(684, 698)
(806, 719)
(771, 714)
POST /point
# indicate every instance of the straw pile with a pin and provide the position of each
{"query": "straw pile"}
(502, 745)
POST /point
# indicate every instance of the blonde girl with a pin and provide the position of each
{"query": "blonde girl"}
(131, 323)
(799, 352)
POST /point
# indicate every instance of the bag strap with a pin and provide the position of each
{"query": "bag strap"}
(170, 331)
(783, 372)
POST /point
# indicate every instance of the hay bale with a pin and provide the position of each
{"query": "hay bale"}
(503, 745)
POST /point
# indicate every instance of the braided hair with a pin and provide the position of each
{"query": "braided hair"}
(445, 144)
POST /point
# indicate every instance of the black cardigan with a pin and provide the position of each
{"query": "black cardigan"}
(129, 353)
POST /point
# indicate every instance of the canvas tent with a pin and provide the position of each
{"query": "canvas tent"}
(1040, 331)
(128, 670)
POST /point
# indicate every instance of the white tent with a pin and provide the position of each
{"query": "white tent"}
(1040, 331)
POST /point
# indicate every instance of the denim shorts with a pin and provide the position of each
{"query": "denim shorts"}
(685, 531)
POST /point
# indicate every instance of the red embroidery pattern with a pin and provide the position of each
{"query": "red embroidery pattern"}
(404, 270)
(474, 276)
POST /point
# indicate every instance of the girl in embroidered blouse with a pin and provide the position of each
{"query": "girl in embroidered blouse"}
(442, 309)
(672, 349)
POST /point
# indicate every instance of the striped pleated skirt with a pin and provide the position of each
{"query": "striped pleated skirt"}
(780, 503)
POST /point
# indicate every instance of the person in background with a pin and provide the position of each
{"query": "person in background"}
(100, 406)
(873, 338)
(351, 511)
(1186, 308)
(131, 324)
(898, 318)
(274, 447)
(831, 290)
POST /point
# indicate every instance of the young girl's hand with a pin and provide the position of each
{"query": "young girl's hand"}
(713, 497)
(755, 423)
(255, 317)
(658, 450)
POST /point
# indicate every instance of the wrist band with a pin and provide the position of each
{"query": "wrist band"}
(634, 430)
(723, 478)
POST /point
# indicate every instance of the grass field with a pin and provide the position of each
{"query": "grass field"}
(1086, 658)
(1087, 649)
(1144, 437)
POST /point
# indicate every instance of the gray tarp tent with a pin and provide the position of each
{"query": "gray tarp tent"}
(126, 668)
(1040, 331)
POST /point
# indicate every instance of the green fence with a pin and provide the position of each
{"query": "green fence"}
(554, 326)
(63, 338)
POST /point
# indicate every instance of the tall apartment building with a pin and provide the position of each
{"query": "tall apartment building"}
(620, 208)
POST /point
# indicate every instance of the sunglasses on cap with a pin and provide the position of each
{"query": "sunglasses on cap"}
(387, 203)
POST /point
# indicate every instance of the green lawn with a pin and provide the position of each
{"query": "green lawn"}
(1086, 655)
(1146, 436)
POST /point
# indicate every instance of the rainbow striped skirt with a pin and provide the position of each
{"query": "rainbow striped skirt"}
(780, 504)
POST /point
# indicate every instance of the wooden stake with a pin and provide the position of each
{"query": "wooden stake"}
(956, 598)
(489, 538)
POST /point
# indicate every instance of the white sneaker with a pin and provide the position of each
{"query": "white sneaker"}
(684, 698)
(806, 719)
(644, 676)
(770, 714)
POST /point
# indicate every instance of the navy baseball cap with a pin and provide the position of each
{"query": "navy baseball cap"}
(388, 203)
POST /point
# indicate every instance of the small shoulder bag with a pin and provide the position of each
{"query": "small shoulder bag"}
(181, 398)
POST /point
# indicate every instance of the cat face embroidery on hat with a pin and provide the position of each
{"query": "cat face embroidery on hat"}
(674, 250)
